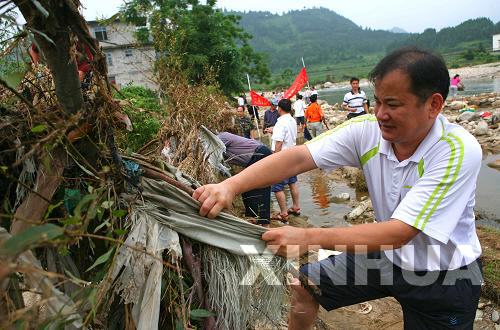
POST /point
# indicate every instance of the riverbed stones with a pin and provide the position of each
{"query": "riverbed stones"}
(495, 317)
(468, 116)
(328, 84)
(457, 105)
(343, 197)
(495, 164)
(359, 210)
(481, 128)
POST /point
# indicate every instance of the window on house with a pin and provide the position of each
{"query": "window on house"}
(128, 52)
(100, 33)
(112, 80)
(109, 59)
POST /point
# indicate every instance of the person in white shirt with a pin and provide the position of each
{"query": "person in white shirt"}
(421, 173)
(241, 100)
(284, 137)
(355, 101)
(299, 107)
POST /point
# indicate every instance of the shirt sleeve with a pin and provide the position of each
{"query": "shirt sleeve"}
(365, 100)
(346, 99)
(278, 133)
(337, 147)
(440, 197)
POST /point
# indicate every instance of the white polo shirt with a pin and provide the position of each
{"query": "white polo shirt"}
(299, 106)
(355, 101)
(433, 190)
(285, 130)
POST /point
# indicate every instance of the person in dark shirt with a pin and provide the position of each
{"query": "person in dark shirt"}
(270, 118)
(244, 152)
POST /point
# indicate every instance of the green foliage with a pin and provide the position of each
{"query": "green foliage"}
(200, 41)
(145, 113)
(319, 35)
(30, 238)
(453, 38)
(200, 314)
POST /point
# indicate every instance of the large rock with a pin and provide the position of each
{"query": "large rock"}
(457, 105)
(495, 164)
(496, 104)
(359, 210)
(468, 116)
(481, 128)
(321, 102)
(325, 106)
(328, 84)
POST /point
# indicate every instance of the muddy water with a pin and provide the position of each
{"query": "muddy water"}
(488, 193)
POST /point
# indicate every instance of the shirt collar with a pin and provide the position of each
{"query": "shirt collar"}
(434, 135)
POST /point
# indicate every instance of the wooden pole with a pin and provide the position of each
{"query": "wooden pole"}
(253, 109)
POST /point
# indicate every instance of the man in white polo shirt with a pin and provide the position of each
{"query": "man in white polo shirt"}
(421, 173)
(355, 101)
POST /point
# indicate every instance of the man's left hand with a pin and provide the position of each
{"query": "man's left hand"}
(287, 241)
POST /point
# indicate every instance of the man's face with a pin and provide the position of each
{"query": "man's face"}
(355, 85)
(240, 112)
(402, 117)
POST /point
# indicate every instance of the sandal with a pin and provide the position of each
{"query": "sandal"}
(294, 211)
(280, 217)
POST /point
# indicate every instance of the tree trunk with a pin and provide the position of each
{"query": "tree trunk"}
(57, 51)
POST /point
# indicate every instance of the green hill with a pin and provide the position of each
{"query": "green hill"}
(335, 48)
(322, 37)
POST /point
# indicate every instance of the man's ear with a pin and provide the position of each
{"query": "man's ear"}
(435, 103)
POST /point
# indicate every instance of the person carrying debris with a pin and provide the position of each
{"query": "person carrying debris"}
(421, 173)
(244, 152)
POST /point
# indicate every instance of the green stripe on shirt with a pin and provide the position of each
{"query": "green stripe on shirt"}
(440, 184)
(368, 155)
(453, 179)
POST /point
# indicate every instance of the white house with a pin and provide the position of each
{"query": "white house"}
(496, 42)
(128, 61)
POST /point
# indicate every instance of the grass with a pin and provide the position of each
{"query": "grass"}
(490, 243)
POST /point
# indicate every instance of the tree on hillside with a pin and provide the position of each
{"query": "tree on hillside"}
(201, 41)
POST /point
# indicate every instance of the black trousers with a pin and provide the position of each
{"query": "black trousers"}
(258, 201)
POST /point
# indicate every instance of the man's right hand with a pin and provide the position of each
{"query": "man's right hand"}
(214, 198)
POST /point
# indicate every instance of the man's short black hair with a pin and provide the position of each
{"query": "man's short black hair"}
(285, 105)
(299, 96)
(354, 79)
(427, 71)
(313, 98)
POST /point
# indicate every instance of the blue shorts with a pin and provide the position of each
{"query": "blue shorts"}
(281, 185)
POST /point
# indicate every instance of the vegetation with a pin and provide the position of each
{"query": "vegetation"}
(335, 48)
(491, 262)
(146, 114)
(204, 41)
(319, 35)
(62, 173)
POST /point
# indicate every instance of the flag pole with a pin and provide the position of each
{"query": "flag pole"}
(253, 109)
(304, 65)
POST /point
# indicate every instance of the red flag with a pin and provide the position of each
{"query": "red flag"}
(297, 85)
(258, 100)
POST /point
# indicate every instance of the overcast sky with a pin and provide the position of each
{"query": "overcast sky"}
(410, 15)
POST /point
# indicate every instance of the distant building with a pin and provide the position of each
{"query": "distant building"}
(128, 61)
(496, 43)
